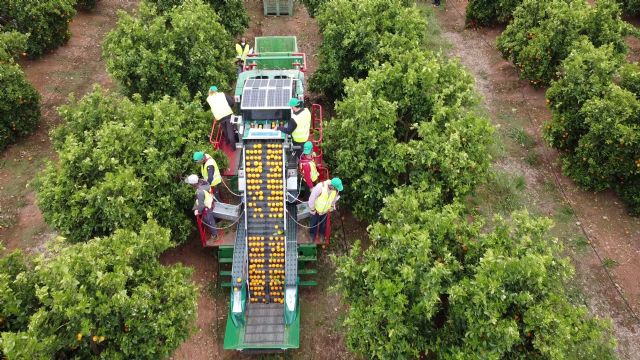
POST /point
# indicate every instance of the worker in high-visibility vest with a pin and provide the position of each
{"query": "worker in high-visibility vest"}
(322, 200)
(299, 125)
(242, 50)
(308, 168)
(221, 106)
(209, 171)
(203, 204)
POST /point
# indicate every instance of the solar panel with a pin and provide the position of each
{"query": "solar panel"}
(280, 83)
(254, 98)
(278, 98)
(266, 93)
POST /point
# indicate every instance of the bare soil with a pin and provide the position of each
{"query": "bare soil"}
(611, 233)
(72, 68)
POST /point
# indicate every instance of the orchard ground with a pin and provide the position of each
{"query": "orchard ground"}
(526, 175)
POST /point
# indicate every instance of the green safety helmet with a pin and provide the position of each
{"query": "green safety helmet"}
(213, 88)
(337, 183)
(198, 155)
(308, 148)
(294, 102)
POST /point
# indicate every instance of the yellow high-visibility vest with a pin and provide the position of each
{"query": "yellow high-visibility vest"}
(242, 52)
(217, 179)
(219, 105)
(324, 201)
(303, 121)
(208, 199)
(312, 167)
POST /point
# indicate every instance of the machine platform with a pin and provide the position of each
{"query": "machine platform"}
(265, 329)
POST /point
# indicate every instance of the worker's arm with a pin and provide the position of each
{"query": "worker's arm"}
(317, 190)
(291, 126)
(199, 206)
(230, 100)
(333, 203)
(306, 172)
(210, 172)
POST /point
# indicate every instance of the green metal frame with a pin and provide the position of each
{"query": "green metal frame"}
(234, 335)
(225, 256)
(276, 44)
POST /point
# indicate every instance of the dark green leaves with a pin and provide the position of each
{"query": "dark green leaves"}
(119, 162)
(178, 53)
(107, 297)
(359, 34)
(413, 127)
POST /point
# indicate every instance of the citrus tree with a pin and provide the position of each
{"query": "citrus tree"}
(631, 7)
(108, 298)
(233, 15)
(357, 34)
(543, 33)
(595, 121)
(45, 21)
(487, 12)
(183, 50)
(412, 128)
(120, 162)
(19, 101)
(586, 72)
(313, 6)
(434, 285)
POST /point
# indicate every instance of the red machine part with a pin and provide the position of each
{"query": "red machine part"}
(204, 233)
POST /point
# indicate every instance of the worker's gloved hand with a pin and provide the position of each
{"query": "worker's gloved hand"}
(196, 212)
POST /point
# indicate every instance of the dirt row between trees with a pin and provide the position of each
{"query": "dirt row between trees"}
(602, 239)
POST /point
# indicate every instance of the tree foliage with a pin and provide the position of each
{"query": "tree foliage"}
(233, 15)
(108, 298)
(630, 7)
(45, 21)
(487, 12)
(313, 6)
(86, 4)
(586, 72)
(182, 50)
(19, 101)
(543, 33)
(120, 162)
(359, 34)
(413, 128)
(595, 120)
(434, 285)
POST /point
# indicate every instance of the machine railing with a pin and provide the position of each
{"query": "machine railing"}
(215, 139)
(276, 61)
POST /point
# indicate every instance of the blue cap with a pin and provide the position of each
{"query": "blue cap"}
(213, 88)
(307, 148)
(337, 183)
(198, 155)
(294, 102)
